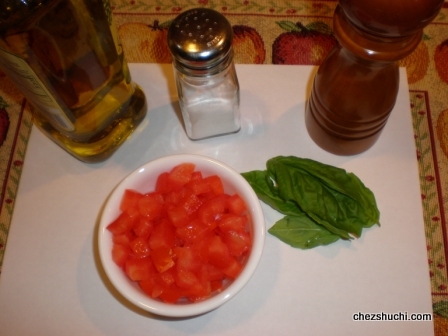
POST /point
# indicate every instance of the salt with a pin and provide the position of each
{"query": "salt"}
(207, 84)
(211, 108)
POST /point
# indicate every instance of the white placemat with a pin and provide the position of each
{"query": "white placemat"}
(52, 283)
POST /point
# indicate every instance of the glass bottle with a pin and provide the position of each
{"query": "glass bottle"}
(200, 41)
(65, 57)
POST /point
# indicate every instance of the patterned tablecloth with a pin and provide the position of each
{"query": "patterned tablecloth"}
(265, 32)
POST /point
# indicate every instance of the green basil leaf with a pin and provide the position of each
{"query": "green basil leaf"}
(302, 232)
(342, 184)
(261, 184)
(333, 198)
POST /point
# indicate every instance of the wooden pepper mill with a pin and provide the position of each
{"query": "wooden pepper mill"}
(356, 86)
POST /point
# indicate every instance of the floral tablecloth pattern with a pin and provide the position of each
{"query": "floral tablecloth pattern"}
(269, 32)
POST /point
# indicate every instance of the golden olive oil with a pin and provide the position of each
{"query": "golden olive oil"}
(66, 58)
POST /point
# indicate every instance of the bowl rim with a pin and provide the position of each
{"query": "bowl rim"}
(130, 290)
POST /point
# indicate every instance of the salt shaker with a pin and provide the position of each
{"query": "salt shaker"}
(200, 41)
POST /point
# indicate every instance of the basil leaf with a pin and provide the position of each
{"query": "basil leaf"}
(335, 199)
(302, 232)
(262, 185)
(323, 203)
(346, 184)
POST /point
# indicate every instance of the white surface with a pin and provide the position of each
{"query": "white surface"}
(52, 284)
(144, 180)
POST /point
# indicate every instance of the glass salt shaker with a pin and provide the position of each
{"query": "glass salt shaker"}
(200, 41)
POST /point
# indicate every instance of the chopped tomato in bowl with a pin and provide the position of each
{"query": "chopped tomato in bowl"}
(181, 235)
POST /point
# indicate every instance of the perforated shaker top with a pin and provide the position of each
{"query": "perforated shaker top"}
(200, 38)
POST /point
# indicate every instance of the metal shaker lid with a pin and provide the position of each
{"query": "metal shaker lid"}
(200, 38)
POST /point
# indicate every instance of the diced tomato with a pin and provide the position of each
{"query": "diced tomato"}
(162, 184)
(185, 278)
(168, 276)
(196, 176)
(200, 186)
(231, 222)
(236, 204)
(134, 213)
(215, 184)
(193, 232)
(172, 198)
(211, 273)
(218, 252)
(140, 247)
(144, 227)
(171, 294)
(151, 205)
(187, 239)
(191, 204)
(130, 199)
(178, 216)
(148, 286)
(185, 192)
(162, 258)
(187, 259)
(233, 269)
(212, 210)
(175, 197)
(199, 291)
(195, 288)
(123, 238)
(155, 285)
(216, 286)
(237, 242)
(120, 253)
(180, 175)
(201, 247)
(163, 235)
(138, 269)
(123, 223)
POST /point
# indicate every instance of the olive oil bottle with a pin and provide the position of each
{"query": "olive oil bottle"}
(65, 57)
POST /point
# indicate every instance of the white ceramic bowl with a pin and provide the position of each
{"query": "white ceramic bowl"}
(143, 180)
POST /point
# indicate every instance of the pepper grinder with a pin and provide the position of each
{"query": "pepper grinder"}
(356, 86)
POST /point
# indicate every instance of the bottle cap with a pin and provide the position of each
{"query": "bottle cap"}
(200, 39)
